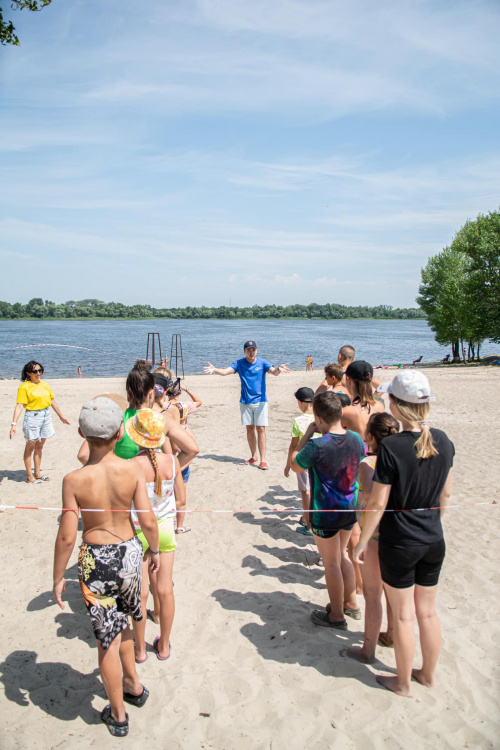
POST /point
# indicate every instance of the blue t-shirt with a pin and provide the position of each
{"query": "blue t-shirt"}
(333, 463)
(253, 379)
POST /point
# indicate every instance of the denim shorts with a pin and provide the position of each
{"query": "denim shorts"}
(254, 414)
(38, 425)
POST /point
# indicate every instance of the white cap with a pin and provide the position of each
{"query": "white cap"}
(409, 385)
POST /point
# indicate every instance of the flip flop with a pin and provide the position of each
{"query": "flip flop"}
(155, 647)
(263, 466)
(251, 461)
(182, 529)
(43, 479)
(116, 728)
(137, 700)
(141, 661)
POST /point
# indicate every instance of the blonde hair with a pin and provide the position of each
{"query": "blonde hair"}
(416, 415)
(154, 462)
(160, 370)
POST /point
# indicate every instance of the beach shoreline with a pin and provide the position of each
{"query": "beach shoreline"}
(249, 670)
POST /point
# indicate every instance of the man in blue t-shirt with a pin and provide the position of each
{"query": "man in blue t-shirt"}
(253, 402)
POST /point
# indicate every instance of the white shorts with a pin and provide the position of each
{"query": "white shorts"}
(303, 481)
(37, 425)
(254, 414)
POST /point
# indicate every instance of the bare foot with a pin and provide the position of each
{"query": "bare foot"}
(391, 683)
(360, 655)
(133, 687)
(386, 639)
(420, 677)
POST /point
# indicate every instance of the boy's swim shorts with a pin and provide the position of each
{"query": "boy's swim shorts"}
(110, 579)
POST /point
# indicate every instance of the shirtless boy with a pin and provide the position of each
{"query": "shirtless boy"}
(110, 559)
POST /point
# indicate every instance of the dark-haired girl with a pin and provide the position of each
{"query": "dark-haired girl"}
(380, 426)
(36, 396)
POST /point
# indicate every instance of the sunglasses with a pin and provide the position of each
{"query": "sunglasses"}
(35, 372)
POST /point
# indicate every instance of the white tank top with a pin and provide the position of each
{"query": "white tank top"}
(164, 507)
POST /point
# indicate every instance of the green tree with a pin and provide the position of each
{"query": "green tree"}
(7, 29)
(480, 241)
(443, 296)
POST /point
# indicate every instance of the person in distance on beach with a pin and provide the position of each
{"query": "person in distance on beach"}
(35, 395)
(110, 559)
(253, 402)
(413, 471)
(333, 463)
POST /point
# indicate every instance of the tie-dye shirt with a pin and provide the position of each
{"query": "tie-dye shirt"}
(333, 463)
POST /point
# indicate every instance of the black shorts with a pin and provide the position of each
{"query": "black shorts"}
(402, 567)
(329, 533)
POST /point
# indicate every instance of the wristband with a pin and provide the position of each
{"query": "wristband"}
(13, 423)
(154, 553)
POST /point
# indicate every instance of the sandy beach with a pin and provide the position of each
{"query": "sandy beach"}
(248, 668)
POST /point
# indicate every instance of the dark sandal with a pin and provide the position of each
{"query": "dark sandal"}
(137, 700)
(320, 617)
(354, 613)
(116, 728)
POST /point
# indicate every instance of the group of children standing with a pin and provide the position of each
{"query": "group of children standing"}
(358, 475)
(387, 489)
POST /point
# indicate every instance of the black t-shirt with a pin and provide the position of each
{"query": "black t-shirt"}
(415, 483)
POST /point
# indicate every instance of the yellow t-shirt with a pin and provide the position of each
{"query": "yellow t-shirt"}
(35, 396)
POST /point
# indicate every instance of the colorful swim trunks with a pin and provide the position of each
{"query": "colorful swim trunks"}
(110, 579)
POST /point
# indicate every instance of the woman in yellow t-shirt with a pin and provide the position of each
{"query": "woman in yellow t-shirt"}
(36, 396)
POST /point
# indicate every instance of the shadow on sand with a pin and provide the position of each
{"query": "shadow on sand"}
(56, 688)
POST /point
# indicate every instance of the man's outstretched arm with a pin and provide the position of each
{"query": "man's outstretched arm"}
(277, 370)
(218, 370)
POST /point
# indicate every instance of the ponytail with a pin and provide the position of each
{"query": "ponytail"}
(416, 415)
(154, 462)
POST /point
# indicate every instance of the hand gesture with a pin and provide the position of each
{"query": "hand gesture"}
(58, 591)
(154, 562)
(12, 431)
(209, 370)
(64, 420)
(358, 554)
(284, 368)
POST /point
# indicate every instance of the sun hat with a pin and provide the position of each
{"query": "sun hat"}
(305, 395)
(100, 418)
(360, 370)
(146, 428)
(249, 344)
(411, 386)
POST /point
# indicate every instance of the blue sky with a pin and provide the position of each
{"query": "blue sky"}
(190, 152)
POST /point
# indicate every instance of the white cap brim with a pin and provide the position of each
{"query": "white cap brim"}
(384, 388)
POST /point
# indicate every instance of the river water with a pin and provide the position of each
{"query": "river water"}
(114, 345)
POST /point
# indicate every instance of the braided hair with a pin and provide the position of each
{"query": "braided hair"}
(154, 462)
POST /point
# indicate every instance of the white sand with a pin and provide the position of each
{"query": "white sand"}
(244, 649)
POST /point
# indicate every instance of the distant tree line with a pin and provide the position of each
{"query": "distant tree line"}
(460, 289)
(94, 308)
